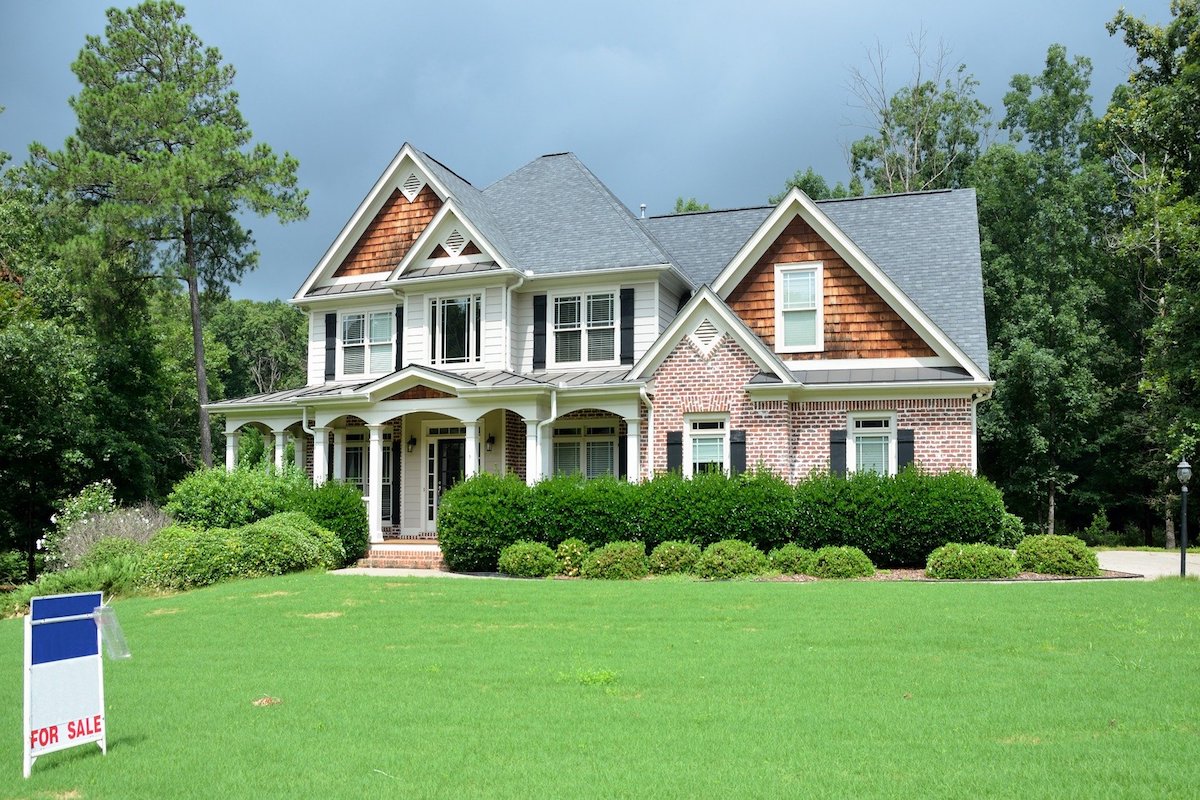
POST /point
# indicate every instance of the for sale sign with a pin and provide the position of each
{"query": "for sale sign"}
(64, 677)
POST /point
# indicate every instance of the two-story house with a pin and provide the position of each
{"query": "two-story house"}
(538, 327)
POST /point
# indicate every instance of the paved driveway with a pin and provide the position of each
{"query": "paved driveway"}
(1148, 564)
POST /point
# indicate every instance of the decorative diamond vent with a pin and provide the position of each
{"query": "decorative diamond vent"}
(412, 186)
(454, 242)
(705, 336)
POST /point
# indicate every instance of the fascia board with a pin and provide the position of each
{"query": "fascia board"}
(371, 203)
(798, 203)
(552, 280)
(339, 300)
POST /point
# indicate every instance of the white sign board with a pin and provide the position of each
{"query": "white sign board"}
(64, 677)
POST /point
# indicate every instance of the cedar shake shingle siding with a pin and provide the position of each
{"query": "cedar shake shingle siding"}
(390, 234)
(858, 323)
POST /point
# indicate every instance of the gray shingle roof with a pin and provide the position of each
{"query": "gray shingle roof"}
(561, 218)
(702, 244)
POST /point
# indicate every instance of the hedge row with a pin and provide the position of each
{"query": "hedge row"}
(896, 521)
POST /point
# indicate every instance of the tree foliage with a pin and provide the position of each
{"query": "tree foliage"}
(689, 206)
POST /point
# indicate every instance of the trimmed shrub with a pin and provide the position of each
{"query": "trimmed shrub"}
(1057, 555)
(671, 558)
(118, 576)
(185, 558)
(112, 548)
(479, 517)
(595, 511)
(1012, 531)
(841, 562)
(525, 559)
(214, 498)
(570, 554)
(730, 558)
(616, 561)
(792, 559)
(338, 507)
(283, 543)
(971, 562)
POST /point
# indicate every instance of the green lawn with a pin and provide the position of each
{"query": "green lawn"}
(456, 688)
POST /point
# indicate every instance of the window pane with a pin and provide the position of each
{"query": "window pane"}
(708, 449)
(566, 312)
(871, 454)
(352, 329)
(600, 310)
(567, 346)
(454, 329)
(599, 459)
(381, 358)
(799, 328)
(354, 466)
(381, 327)
(800, 290)
(353, 360)
(601, 345)
(566, 458)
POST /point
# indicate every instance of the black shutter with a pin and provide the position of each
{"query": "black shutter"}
(433, 331)
(904, 448)
(539, 331)
(837, 453)
(737, 452)
(622, 457)
(397, 449)
(329, 456)
(627, 326)
(330, 346)
(399, 337)
(675, 450)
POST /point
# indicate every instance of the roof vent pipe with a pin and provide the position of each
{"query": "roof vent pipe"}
(643, 210)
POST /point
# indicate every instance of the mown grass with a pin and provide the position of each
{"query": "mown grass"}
(458, 688)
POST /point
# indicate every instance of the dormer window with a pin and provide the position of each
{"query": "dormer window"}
(798, 308)
(367, 343)
(585, 324)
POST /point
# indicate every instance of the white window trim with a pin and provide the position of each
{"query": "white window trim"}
(583, 438)
(688, 419)
(851, 444)
(808, 266)
(583, 295)
(366, 343)
(435, 349)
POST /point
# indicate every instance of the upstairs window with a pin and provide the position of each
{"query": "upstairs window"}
(798, 314)
(456, 329)
(367, 343)
(585, 325)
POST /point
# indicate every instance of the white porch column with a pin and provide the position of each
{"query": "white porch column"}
(632, 452)
(472, 465)
(231, 450)
(320, 460)
(375, 484)
(280, 449)
(338, 440)
(531, 452)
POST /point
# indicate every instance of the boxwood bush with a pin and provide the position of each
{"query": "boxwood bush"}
(1057, 555)
(214, 498)
(616, 561)
(971, 562)
(570, 554)
(338, 507)
(731, 558)
(841, 562)
(479, 517)
(595, 511)
(670, 558)
(526, 559)
(792, 559)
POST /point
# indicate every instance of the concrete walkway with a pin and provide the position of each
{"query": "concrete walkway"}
(398, 572)
(1149, 565)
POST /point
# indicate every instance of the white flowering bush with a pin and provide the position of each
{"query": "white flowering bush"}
(92, 517)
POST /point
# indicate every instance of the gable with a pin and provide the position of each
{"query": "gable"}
(858, 323)
(420, 392)
(391, 233)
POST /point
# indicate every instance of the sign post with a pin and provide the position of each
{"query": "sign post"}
(64, 676)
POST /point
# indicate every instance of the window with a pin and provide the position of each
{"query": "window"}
(589, 451)
(798, 316)
(577, 334)
(706, 447)
(456, 329)
(871, 445)
(367, 343)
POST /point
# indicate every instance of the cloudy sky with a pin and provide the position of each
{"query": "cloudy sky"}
(720, 101)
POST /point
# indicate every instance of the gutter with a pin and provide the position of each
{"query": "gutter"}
(976, 399)
(508, 302)
(543, 424)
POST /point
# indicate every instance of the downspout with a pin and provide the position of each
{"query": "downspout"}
(543, 424)
(508, 300)
(649, 431)
(976, 399)
(304, 422)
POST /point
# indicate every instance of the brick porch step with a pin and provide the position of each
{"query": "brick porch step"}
(404, 555)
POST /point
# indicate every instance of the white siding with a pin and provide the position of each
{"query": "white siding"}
(521, 332)
(416, 341)
(668, 305)
(493, 327)
(645, 318)
(316, 348)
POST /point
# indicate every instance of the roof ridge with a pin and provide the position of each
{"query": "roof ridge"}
(448, 169)
(630, 220)
(888, 195)
(709, 211)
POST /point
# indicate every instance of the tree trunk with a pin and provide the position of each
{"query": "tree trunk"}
(1169, 522)
(193, 284)
(1050, 513)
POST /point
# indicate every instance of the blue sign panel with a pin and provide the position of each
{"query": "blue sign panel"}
(63, 640)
